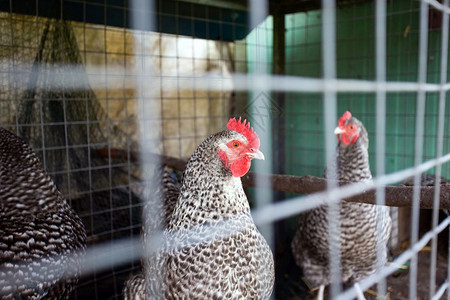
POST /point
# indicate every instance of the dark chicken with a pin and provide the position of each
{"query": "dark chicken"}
(42, 240)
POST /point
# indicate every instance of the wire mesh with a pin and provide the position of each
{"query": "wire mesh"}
(98, 87)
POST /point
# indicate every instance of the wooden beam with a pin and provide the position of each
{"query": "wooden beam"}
(398, 195)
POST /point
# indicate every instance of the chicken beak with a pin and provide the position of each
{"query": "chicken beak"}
(338, 130)
(256, 155)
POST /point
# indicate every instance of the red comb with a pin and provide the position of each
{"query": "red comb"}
(347, 115)
(244, 129)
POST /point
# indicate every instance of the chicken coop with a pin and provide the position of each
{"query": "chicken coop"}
(105, 91)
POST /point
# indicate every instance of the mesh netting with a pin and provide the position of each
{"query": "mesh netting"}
(69, 129)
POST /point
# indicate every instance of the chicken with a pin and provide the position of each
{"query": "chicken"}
(167, 189)
(358, 221)
(426, 180)
(212, 248)
(42, 240)
(161, 203)
(134, 288)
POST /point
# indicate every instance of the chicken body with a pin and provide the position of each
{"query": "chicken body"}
(212, 248)
(358, 223)
(157, 214)
(42, 240)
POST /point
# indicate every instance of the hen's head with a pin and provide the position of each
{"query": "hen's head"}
(350, 130)
(237, 151)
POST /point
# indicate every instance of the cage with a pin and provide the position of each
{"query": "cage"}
(103, 90)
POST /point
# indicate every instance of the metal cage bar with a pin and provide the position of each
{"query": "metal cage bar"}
(145, 78)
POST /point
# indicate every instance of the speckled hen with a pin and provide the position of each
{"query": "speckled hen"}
(158, 211)
(42, 240)
(213, 249)
(358, 221)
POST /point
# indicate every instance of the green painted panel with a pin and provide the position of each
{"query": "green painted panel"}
(355, 34)
(356, 60)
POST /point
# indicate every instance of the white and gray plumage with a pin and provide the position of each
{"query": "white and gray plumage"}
(162, 201)
(358, 231)
(134, 288)
(42, 240)
(426, 180)
(213, 249)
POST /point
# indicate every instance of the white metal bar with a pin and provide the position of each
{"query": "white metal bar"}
(420, 113)
(258, 13)
(100, 257)
(107, 255)
(243, 82)
(440, 292)
(329, 116)
(380, 50)
(439, 147)
(263, 197)
(142, 18)
(208, 81)
(442, 7)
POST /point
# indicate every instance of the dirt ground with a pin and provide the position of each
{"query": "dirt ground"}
(398, 283)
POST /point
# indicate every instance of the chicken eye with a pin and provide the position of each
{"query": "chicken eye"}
(236, 144)
(351, 127)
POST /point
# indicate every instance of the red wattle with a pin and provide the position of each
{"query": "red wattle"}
(345, 139)
(240, 167)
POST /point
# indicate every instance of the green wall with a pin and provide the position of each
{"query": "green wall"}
(356, 60)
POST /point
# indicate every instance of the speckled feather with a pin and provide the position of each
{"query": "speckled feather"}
(164, 196)
(238, 263)
(37, 227)
(358, 237)
(134, 288)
